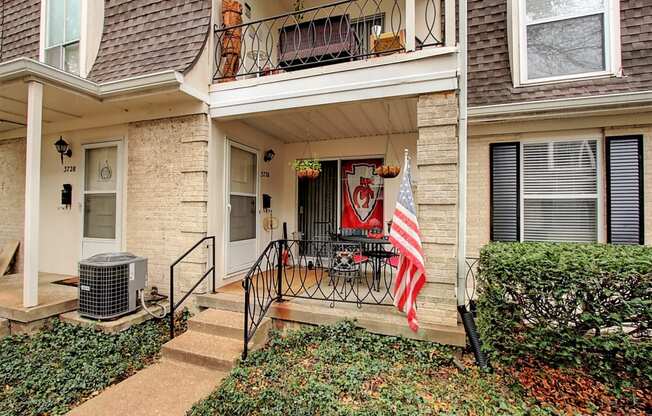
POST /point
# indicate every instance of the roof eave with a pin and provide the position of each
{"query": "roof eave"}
(25, 68)
(546, 107)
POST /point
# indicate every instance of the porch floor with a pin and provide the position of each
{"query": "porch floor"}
(53, 298)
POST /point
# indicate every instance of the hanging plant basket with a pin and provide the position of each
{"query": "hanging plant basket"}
(388, 171)
(307, 169)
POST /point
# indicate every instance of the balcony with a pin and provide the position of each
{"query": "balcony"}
(328, 53)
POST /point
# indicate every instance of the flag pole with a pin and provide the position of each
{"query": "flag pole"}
(405, 162)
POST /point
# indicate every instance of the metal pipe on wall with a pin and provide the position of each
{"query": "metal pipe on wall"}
(462, 149)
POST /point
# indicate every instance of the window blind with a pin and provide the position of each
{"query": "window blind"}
(560, 197)
(625, 190)
(504, 160)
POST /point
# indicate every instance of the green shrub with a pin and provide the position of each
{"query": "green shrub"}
(575, 305)
(341, 370)
(56, 368)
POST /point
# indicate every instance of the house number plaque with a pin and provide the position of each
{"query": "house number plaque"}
(69, 169)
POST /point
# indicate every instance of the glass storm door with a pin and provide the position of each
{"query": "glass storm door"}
(242, 209)
(101, 199)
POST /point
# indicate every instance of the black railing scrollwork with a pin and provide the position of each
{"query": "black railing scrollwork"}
(341, 31)
(470, 283)
(332, 271)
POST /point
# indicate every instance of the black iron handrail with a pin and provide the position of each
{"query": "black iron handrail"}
(335, 32)
(211, 270)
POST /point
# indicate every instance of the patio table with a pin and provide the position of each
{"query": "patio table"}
(374, 250)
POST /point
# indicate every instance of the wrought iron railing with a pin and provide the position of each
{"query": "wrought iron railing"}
(342, 31)
(331, 271)
(470, 283)
(210, 271)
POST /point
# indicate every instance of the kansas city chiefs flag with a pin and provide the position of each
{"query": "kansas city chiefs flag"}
(362, 194)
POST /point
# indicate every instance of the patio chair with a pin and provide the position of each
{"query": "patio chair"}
(324, 236)
(345, 261)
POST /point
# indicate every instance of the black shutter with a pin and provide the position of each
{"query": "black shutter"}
(505, 199)
(625, 190)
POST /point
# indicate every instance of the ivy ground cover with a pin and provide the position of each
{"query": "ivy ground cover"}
(341, 370)
(57, 368)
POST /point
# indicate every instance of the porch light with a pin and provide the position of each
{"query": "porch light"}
(269, 155)
(63, 148)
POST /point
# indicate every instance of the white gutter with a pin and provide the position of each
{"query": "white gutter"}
(507, 111)
(29, 68)
(462, 149)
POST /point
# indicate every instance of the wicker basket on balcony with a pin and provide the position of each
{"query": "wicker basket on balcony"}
(231, 41)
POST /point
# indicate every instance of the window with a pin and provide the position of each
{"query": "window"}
(556, 198)
(62, 35)
(560, 191)
(564, 39)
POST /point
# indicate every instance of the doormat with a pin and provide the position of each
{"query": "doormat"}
(70, 281)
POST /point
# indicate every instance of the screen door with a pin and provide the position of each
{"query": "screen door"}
(101, 199)
(242, 207)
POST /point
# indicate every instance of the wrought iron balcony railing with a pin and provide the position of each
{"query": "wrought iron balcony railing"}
(346, 30)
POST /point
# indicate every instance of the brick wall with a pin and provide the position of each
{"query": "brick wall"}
(478, 220)
(437, 157)
(167, 195)
(12, 194)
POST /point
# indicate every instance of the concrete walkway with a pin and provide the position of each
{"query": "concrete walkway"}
(193, 365)
(167, 388)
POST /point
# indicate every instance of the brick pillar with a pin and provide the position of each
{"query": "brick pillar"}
(437, 194)
(167, 196)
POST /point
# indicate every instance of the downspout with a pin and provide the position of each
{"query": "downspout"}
(462, 150)
(466, 315)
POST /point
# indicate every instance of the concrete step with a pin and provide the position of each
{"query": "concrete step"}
(205, 350)
(383, 320)
(223, 301)
(224, 323)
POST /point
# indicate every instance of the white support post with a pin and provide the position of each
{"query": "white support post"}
(449, 26)
(32, 193)
(410, 26)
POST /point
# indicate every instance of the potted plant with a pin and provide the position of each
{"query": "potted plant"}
(307, 168)
(388, 171)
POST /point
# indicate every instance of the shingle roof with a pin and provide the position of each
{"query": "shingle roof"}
(489, 71)
(147, 36)
(19, 29)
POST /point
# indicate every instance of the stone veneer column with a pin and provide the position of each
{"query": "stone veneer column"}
(437, 195)
(167, 196)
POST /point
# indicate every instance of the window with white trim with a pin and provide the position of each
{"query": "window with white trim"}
(565, 39)
(62, 37)
(560, 191)
(545, 191)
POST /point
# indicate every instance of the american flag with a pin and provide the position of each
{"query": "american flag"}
(406, 237)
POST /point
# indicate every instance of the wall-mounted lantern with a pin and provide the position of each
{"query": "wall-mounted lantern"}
(269, 155)
(63, 148)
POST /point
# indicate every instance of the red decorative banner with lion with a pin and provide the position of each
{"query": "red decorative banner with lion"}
(362, 194)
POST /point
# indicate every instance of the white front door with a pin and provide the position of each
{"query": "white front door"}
(242, 208)
(101, 199)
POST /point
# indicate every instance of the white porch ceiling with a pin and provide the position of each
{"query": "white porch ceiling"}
(338, 121)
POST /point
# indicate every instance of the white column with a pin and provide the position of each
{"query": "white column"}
(410, 26)
(32, 193)
(449, 24)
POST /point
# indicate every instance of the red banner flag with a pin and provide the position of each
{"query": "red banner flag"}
(362, 194)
